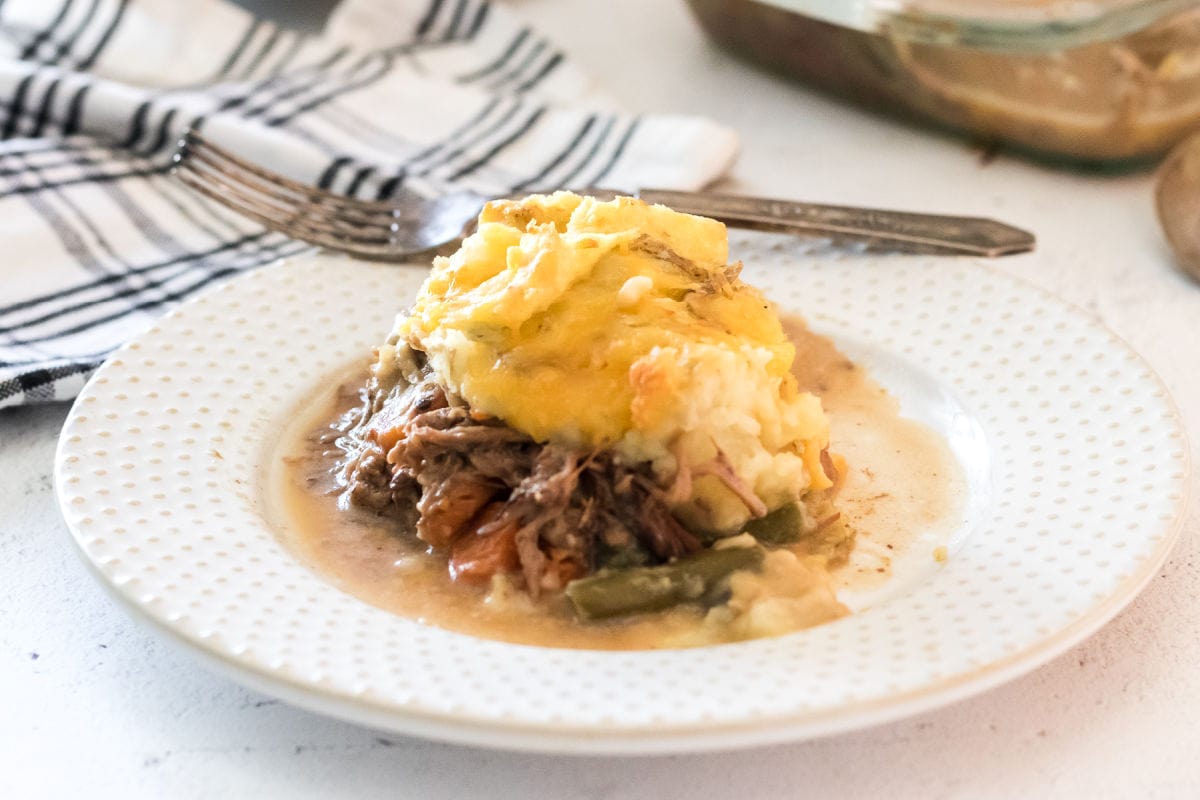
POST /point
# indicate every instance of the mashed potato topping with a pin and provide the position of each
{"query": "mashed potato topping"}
(620, 324)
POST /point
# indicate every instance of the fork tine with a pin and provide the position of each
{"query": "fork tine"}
(215, 163)
(283, 210)
(376, 240)
(326, 233)
(377, 230)
(195, 143)
(380, 246)
(277, 206)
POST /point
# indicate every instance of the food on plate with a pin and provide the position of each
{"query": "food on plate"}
(587, 411)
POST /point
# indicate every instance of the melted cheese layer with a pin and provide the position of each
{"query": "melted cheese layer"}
(620, 324)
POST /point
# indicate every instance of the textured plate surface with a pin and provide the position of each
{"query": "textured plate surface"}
(161, 477)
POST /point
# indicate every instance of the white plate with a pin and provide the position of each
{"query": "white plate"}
(1075, 457)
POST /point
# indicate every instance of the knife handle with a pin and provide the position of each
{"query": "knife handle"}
(897, 231)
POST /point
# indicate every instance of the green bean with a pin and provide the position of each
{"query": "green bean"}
(781, 526)
(644, 589)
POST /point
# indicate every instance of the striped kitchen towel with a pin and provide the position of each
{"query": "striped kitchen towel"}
(427, 96)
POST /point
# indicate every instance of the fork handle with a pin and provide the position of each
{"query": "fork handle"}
(890, 230)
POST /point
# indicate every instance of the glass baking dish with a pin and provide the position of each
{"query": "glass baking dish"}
(1099, 81)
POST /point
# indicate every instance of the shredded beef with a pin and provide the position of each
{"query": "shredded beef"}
(439, 419)
(505, 464)
(370, 488)
(448, 505)
(642, 504)
(421, 456)
(459, 437)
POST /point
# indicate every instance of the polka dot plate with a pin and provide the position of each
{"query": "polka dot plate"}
(1074, 455)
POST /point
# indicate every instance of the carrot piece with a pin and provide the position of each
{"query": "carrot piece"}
(475, 557)
(388, 426)
(387, 437)
(448, 510)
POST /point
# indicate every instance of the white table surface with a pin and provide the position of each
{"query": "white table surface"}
(93, 705)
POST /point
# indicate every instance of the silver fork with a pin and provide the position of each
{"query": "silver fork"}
(410, 226)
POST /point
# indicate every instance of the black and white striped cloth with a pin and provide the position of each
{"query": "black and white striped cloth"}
(97, 239)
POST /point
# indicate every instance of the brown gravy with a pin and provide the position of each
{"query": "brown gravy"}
(903, 481)
(905, 488)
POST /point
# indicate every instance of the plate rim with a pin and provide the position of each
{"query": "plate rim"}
(557, 739)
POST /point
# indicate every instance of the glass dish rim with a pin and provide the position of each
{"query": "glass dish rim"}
(1027, 26)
